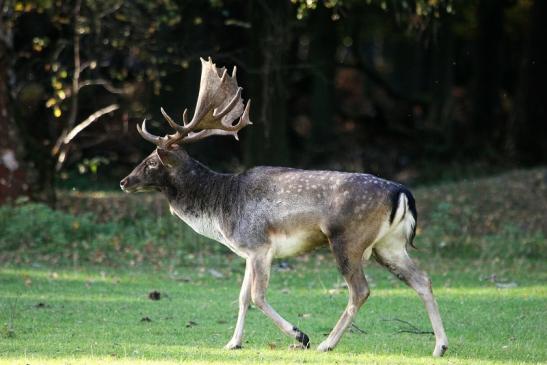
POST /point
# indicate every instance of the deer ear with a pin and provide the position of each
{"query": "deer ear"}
(168, 158)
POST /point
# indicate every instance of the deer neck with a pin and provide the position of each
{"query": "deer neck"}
(202, 198)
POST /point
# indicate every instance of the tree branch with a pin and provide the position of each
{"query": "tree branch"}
(63, 143)
(104, 83)
(88, 121)
(112, 10)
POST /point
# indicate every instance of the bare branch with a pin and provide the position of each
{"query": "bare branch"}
(62, 146)
(88, 121)
(112, 10)
(104, 83)
(67, 136)
(354, 328)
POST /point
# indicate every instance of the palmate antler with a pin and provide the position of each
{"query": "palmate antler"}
(219, 104)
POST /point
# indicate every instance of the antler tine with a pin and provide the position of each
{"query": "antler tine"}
(243, 120)
(181, 129)
(230, 105)
(245, 116)
(169, 120)
(185, 117)
(224, 74)
(158, 141)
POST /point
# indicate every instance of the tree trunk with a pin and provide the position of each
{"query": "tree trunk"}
(531, 108)
(322, 56)
(13, 175)
(266, 141)
(486, 110)
(441, 78)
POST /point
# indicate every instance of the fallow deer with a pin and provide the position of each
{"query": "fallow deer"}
(272, 212)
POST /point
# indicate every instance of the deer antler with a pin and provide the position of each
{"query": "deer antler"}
(219, 104)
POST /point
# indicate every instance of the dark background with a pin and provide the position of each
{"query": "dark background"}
(417, 91)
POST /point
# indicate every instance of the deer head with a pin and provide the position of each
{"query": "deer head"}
(218, 105)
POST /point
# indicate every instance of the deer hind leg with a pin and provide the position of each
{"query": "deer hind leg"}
(351, 267)
(391, 253)
(261, 265)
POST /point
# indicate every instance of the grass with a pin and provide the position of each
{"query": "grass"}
(94, 316)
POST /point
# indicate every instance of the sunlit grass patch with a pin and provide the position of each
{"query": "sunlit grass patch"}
(94, 316)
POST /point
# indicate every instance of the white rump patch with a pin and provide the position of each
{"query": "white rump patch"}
(402, 229)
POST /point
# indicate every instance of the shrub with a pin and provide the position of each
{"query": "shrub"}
(35, 232)
(448, 234)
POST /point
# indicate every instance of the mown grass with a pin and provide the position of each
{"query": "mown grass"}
(95, 316)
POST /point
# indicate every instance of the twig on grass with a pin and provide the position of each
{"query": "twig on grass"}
(413, 329)
(357, 329)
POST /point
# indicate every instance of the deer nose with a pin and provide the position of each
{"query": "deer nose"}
(123, 183)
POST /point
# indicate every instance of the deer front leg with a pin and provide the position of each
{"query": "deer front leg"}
(244, 299)
(261, 265)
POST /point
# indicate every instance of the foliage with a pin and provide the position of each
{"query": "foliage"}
(34, 232)
(413, 11)
(333, 82)
(492, 218)
(444, 236)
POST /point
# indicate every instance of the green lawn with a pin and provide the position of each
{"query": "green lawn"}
(94, 315)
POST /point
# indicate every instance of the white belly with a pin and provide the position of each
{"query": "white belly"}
(294, 243)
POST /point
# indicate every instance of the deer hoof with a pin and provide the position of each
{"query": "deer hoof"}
(440, 350)
(232, 346)
(324, 347)
(298, 346)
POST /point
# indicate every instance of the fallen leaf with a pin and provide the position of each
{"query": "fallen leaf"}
(27, 280)
(284, 266)
(216, 274)
(154, 295)
(510, 285)
(191, 324)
